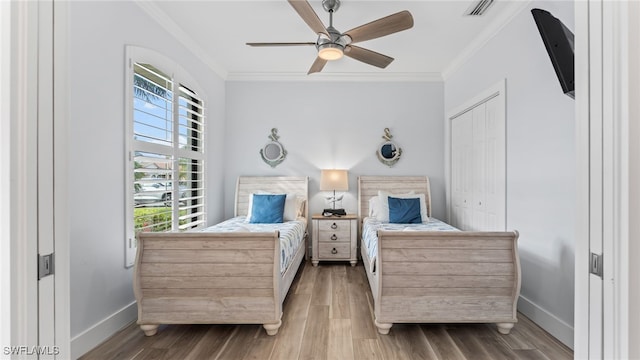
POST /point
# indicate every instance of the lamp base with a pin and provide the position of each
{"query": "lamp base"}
(333, 212)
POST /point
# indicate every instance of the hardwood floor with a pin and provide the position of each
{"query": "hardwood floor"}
(328, 314)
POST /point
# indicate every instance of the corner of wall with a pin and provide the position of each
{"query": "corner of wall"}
(95, 335)
(549, 322)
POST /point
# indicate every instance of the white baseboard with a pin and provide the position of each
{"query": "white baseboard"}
(549, 322)
(99, 332)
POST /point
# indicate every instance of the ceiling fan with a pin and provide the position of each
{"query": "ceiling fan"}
(332, 44)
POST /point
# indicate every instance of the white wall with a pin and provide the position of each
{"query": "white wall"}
(335, 125)
(101, 288)
(541, 174)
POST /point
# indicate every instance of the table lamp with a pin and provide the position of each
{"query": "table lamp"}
(334, 180)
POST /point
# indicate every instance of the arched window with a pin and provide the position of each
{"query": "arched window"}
(165, 148)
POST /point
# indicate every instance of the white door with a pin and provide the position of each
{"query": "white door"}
(32, 186)
(478, 163)
(607, 319)
(495, 150)
(588, 322)
(6, 214)
(479, 175)
(461, 154)
(45, 190)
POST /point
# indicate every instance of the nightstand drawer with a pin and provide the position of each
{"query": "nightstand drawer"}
(334, 239)
(334, 251)
(334, 236)
(334, 225)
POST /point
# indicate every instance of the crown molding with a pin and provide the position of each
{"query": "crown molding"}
(489, 32)
(480, 41)
(337, 77)
(168, 24)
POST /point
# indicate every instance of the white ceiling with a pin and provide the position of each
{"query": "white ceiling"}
(216, 31)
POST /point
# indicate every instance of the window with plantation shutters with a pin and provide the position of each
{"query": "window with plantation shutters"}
(166, 130)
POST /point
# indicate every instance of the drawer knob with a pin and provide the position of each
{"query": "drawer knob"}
(334, 226)
(334, 237)
(334, 251)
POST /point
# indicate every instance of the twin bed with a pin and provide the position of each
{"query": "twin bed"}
(240, 273)
(231, 273)
(433, 273)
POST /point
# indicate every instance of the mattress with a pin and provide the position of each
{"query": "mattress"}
(370, 227)
(291, 234)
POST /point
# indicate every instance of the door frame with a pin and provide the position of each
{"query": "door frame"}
(630, 296)
(23, 167)
(37, 73)
(607, 314)
(581, 281)
(62, 237)
(5, 177)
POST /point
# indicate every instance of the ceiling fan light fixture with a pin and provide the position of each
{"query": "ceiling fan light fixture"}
(330, 51)
(333, 44)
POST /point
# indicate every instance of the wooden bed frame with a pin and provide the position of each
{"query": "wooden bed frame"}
(439, 276)
(217, 278)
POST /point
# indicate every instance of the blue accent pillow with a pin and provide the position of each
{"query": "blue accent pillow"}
(404, 211)
(267, 209)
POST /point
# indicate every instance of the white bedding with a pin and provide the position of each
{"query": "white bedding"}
(291, 234)
(370, 227)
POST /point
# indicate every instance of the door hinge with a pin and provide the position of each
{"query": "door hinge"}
(595, 264)
(45, 265)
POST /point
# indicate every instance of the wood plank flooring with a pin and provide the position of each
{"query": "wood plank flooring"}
(328, 314)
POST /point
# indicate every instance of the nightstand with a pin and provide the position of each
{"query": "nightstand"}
(334, 238)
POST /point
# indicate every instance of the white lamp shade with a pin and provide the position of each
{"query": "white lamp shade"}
(334, 180)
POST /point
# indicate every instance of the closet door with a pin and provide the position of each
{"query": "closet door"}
(479, 172)
(495, 164)
(461, 177)
(478, 166)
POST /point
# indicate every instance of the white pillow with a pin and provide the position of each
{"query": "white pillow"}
(301, 206)
(377, 210)
(293, 206)
(374, 207)
(382, 211)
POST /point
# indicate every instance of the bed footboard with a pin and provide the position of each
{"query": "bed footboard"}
(208, 278)
(447, 277)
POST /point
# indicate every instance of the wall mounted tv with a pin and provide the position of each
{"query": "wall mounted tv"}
(559, 43)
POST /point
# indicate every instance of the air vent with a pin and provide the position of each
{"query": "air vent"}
(479, 8)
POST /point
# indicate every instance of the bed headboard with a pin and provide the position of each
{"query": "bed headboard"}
(368, 187)
(246, 185)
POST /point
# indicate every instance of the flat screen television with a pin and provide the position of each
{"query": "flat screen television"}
(558, 40)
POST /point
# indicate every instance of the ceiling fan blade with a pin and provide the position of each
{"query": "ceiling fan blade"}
(368, 56)
(258, 44)
(304, 9)
(385, 26)
(317, 65)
